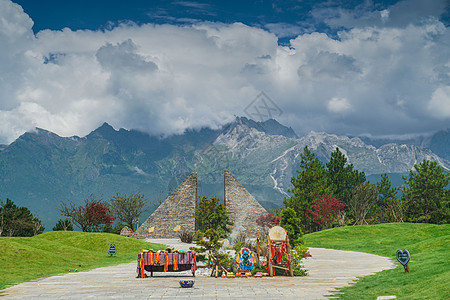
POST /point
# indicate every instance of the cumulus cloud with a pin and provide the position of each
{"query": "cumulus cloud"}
(339, 105)
(439, 103)
(163, 79)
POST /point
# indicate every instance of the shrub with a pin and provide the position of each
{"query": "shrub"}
(63, 225)
(186, 236)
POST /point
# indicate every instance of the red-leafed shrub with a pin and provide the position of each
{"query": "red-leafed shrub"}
(268, 220)
(325, 209)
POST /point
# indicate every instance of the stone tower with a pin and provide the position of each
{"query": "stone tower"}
(175, 214)
(242, 207)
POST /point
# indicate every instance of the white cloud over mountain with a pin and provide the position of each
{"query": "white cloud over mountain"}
(376, 78)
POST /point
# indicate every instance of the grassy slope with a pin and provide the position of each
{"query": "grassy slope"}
(24, 259)
(428, 245)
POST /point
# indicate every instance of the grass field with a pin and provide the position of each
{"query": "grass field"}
(29, 258)
(428, 245)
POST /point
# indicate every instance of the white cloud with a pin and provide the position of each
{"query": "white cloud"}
(439, 104)
(339, 105)
(163, 79)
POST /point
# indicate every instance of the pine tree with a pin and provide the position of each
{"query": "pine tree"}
(385, 190)
(389, 208)
(310, 181)
(426, 196)
(342, 179)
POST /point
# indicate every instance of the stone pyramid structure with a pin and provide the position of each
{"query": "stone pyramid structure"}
(242, 207)
(175, 214)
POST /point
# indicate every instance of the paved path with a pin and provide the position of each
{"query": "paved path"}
(327, 269)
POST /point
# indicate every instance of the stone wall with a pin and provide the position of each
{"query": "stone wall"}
(243, 208)
(177, 211)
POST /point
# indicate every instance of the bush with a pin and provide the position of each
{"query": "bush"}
(108, 228)
(63, 225)
(186, 236)
(209, 250)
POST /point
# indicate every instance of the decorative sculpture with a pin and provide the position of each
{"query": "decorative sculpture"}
(278, 247)
(245, 260)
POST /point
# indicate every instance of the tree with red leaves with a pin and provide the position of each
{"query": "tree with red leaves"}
(325, 209)
(89, 216)
(267, 222)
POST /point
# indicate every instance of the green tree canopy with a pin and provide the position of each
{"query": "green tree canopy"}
(311, 180)
(342, 178)
(18, 221)
(209, 213)
(364, 198)
(128, 209)
(425, 194)
(385, 190)
(389, 208)
(293, 226)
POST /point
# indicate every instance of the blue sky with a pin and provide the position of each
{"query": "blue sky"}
(295, 16)
(379, 68)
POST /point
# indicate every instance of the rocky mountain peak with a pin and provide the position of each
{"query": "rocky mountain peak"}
(105, 131)
(270, 126)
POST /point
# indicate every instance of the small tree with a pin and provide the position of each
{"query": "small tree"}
(210, 244)
(325, 209)
(389, 208)
(365, 196)
(209, 213)
(292, 225)
(63, 225)
(88, 216)
(128, 209)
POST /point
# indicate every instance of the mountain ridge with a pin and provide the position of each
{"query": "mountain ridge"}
(40, 168)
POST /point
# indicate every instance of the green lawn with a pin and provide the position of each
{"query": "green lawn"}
(428, 245)
(29, 258)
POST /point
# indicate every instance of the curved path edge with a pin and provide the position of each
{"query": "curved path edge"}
(327, 270)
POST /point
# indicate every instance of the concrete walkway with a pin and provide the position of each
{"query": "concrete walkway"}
(328, 269)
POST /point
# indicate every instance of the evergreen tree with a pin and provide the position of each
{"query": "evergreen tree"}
(342, 178)
(425, 194)
(311, 180)
(292, 225)
(385, 190)
(18, 221)
(210, 214)
(389, 208)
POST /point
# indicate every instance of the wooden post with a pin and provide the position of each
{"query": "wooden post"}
(257, 250)
(269, 258)
(407, 268)
(217, 270)
(291, 269)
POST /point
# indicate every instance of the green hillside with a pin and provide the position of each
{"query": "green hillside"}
(29, 258)
(428, 245)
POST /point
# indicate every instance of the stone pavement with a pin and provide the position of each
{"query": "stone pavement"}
(327, 269)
